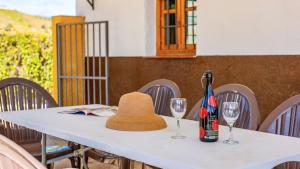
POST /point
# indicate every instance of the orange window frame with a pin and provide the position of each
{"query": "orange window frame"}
(180, 49)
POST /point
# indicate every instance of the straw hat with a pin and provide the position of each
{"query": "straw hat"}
(136, 113)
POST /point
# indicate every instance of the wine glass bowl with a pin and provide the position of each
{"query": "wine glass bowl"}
(178, 109)
(230, 112)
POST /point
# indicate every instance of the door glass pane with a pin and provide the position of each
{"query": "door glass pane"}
(170, 4)
(170, 19)
(190, 3)
(189, 30)
(191, 18)
(170, 28)
(171, 35)
(189, 40)
(190, 34)
(190, 27)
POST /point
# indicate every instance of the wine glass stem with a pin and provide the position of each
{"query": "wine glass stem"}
(230, 132)
(178, 127)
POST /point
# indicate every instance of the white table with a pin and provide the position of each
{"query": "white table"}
(256, 150)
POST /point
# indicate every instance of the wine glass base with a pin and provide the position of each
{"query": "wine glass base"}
(230, 141)
(178, 137)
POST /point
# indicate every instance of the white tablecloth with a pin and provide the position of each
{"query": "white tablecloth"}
(256, 150)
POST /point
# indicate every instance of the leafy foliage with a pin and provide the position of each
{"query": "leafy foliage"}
(27, 55)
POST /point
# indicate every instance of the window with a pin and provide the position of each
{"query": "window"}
(176, 20)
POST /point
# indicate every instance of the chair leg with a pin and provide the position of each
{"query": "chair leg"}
(143, 165)
(72, 160)
(125, 163)
(132, 164)
(78, 162)
(50, 166)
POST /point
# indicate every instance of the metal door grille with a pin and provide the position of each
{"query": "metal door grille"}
(82, 63)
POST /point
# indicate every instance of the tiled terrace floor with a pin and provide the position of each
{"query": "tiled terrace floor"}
(92, 165)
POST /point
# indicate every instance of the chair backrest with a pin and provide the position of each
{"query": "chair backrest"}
(161, 91)
(21, 94)
(285, 120)
(249, 113)
(13, 156)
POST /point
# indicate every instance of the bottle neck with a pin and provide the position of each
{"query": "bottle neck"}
(208, 82)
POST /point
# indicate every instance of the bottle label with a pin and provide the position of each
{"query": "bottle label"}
(209, 127)
(212, 128)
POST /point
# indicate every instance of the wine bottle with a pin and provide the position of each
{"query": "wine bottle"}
(208, 115)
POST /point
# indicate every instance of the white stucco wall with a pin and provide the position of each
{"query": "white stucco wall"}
(250, 27)
(225, 27)
(150, 27)
(126, 23)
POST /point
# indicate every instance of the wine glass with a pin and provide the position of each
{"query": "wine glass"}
(230, 111)
(178, 109)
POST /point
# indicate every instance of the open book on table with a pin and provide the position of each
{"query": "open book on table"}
(105, 111)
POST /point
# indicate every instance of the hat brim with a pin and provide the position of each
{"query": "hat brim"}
(136, 123)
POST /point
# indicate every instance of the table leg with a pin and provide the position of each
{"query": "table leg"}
(44, 159)
(81, 153)
(125, 163)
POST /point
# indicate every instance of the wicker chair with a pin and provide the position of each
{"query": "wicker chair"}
(285, 120)
(249, 116)
(21, 94)
(13, 156)
(161, 91)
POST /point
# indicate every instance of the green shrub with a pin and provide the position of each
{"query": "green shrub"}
(8, 27)
(27, 55)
